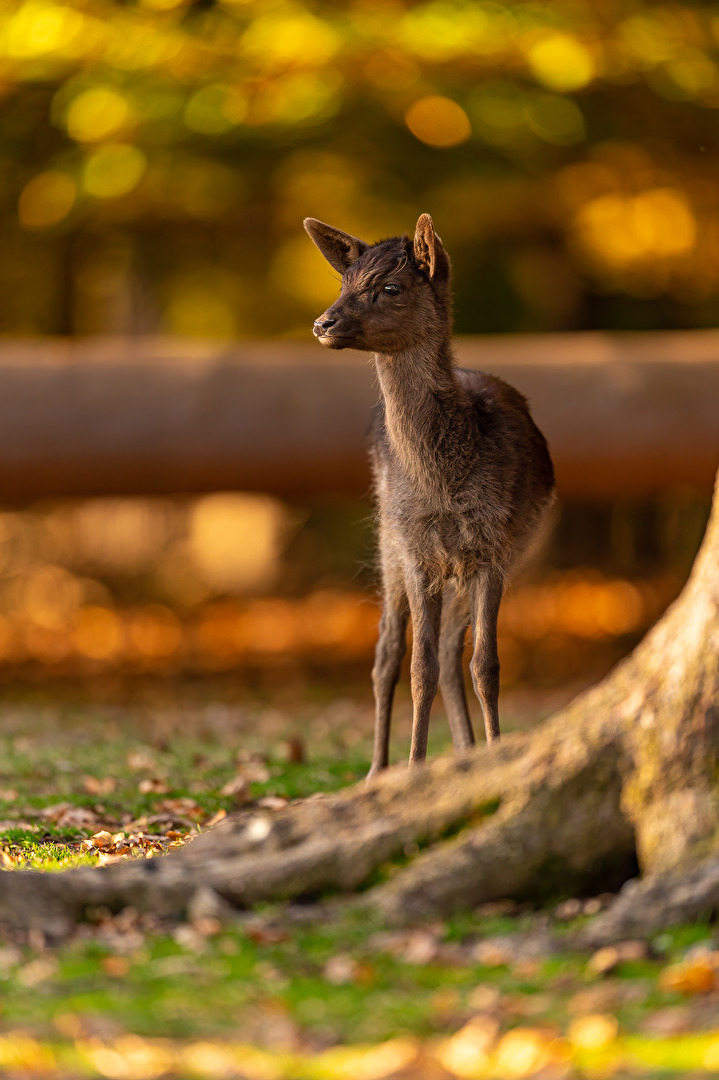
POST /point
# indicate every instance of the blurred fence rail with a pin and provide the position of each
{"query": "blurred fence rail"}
(625, 415)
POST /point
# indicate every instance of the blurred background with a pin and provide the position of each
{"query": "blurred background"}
(182, 479)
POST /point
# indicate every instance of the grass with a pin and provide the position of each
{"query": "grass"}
(294, 991)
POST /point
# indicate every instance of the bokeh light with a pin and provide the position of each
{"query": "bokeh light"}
(438, 121)
(46, 199)
(206, 135)
(97, 113)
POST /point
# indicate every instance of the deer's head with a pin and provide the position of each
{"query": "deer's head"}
(395, 295)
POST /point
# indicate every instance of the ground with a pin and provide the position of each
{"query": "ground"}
(496, 992)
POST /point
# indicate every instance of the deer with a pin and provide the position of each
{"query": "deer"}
(462, 476)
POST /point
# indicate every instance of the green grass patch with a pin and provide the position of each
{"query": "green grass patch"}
(287, 988)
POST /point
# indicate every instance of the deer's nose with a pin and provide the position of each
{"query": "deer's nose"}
(321, 326)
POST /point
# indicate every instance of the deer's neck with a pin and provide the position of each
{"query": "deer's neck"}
(428, 417)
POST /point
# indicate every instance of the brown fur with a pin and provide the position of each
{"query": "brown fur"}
(463, 476)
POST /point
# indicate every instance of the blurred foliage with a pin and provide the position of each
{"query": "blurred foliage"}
(157, 157)
(242, 582)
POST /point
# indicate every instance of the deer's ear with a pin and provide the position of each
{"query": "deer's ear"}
(339, 248)
(429, 254)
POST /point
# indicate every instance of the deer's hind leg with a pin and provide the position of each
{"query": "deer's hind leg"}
(455, 620)
(391, 647)
(486, 596)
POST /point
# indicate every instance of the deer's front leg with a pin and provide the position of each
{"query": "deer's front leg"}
(391, 646)
(426, 610)
(486, 598)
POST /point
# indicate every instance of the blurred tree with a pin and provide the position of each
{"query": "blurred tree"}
(156, 157)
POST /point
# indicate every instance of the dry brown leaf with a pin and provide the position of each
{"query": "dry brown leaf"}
(341, 970)
(568, 909)
(674, 1020)
(115, 966)
(266, 935)
(255, 772)
(484, 998)
(26, 826)
(102, 839)
(152, 785)
(525, 1052)
(65, 815)
(593, 1032)
(37, 971)
(105, 858)
(99, 785)
(606, 959)
(695, 976)
(491, 954)
(215, 819)
(141, 760)
(183, 804)
(207, 926)
(8, 795)
(467, 1050)
(238, 788)
(272, 802)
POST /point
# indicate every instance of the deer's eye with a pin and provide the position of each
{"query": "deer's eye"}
(391, 289)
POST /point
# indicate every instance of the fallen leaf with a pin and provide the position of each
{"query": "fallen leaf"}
(593, 1032)
(102, 839)
(140, 760)
(568, 909)
(466, 1051)
(484, 997)
(207, 926)
(37, 971)
(238, 788)
(526, 1051)
(674, 1020)
(266, 935)
(65, 815)
(99, 786)
(181, 805)
(341, 970)
(152, 785)
(491, 954)
(115, 966)
(695, 976)
(273, 802)
(26, 826)
(606, 959)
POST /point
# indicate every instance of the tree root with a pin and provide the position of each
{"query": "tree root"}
(629, 767)
(646, 906)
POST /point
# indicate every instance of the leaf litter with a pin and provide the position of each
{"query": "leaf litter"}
(486, 996)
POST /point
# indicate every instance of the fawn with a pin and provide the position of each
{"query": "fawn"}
(463, 478)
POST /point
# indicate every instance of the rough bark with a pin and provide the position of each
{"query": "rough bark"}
(629, 767)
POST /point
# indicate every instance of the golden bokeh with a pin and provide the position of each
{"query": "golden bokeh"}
(438, 121)
(235, 540)
(98, 113)
(204, 117)
(47, 199)
(561, 62)
(113, 170)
